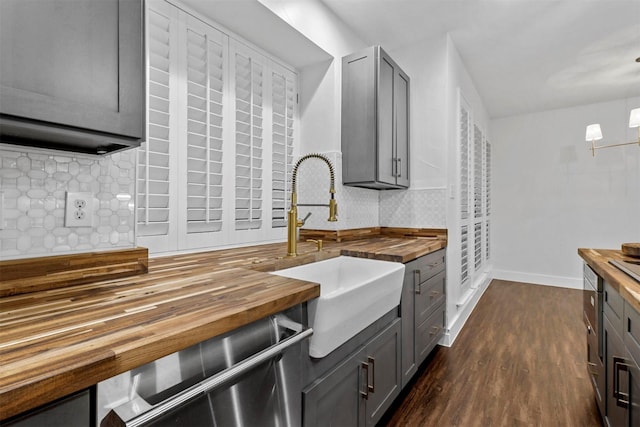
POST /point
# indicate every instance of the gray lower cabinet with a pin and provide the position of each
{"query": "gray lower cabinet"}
(361, 388)
(422, 310)
(614, 354)
(73, 410)
(622, 360)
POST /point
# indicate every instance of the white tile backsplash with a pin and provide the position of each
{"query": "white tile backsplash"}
(361, 208)
(414, 208)
(34, 186)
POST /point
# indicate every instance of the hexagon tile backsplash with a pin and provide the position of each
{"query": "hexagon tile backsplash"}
(34, 185)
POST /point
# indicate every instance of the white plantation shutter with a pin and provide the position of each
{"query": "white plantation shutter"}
(249, 73)
(221, 136)
(153, 201)
(487, 193)
(204, 127)
(283, 102)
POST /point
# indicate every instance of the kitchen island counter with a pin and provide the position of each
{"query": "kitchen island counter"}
(56, 341)
(598, 260)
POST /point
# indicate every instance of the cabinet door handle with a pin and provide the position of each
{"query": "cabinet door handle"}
(365, 393)
(399, 167)
(372, 362)
(592, 372)
(622, 399)
(416, 281)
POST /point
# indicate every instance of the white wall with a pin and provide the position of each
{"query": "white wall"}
(550, 196)
(460, 303)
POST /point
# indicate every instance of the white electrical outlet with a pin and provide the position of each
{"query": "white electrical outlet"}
(79, 210)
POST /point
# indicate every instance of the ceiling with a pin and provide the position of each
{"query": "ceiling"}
(523, 55)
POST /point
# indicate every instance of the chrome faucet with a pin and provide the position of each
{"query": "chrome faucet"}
(293, 223)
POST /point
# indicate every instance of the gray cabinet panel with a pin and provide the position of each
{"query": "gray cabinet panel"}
(361, 388)
(429, 294)
(402, 129)
(383, 361)
(386, 157)
(614, 351)
(72, 75)
(73, 410)
(429, 333)
(358, 99)
(422, 310)
(595, 367)
(375, 121)
(335, 399)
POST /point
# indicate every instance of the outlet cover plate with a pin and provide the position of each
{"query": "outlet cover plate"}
(78, 210)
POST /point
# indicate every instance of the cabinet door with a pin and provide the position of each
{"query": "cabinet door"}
(77, 64)
(407, 316)
(336, 398)
(73, 410)
(383, 372)
(401, 95)
(633, 405)
(386, 124)
(359, 117)
(617, 383)
(595, 368)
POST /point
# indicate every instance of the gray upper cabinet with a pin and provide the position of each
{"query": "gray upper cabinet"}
(72, 74)
(375, 121)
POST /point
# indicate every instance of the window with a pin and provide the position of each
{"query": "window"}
(222, 130)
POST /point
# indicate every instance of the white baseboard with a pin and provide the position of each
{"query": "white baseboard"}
(538, 279)
(465, 309)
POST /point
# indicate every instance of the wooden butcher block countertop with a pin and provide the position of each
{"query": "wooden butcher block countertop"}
(598, 260)
(59, 340)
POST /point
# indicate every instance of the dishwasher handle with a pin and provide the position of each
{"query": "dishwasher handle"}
(208, 384)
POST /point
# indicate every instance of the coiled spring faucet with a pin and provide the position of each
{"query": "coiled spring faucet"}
(293, 223)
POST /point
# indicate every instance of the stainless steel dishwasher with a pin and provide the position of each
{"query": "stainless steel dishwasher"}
(249, 377)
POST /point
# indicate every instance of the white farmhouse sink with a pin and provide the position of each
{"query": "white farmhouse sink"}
(354, 293)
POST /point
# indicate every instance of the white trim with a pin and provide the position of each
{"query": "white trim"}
(456, 324)
(539, 279)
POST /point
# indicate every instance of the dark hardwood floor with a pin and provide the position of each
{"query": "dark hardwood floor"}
(518, 361)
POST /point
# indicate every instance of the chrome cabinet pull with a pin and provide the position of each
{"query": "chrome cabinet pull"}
(416, 281)
(622, 399)
(365, 393)
(399, 167)
(372, 362)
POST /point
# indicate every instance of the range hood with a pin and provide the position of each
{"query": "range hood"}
(37, 134)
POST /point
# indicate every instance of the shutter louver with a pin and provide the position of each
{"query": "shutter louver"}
(464, 163)
(487, 247)
(487, 178)
(283, 105)
(204, 133)
(464, 254)
(249, 128)
(153, 201)
(478, 244)
(477, 172)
